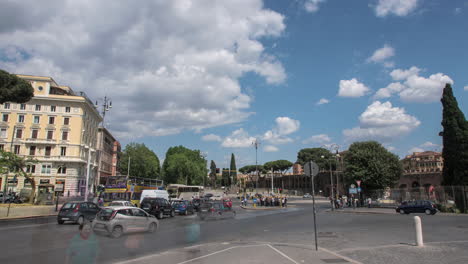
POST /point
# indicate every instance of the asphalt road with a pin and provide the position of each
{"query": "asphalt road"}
(354, 235)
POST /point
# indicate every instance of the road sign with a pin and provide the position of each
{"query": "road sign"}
(359, 189)
(311, 169)
(358, 183)
(353, 190)
(352, 186)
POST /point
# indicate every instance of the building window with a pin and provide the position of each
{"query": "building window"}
(48, 150)
(32, 150)
(50, 134)
(20, 118)
(34, 133)
(53, 108)
(5, 117)
(6, 105)
(67, 109)
(36, 119)
(62, 170)
(51, 120)
(2, 147)
(17, 149)
(65, 135)
(19, 133)
(38, 107)
(3, 133)
(22, 106)
(31, 168)
(46, 169)
(66, 121)
(63, 151)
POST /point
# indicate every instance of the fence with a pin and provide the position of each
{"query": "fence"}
(446, 196)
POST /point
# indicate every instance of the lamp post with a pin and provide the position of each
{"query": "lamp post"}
(331, 184)
(256, 143)
(87, 172)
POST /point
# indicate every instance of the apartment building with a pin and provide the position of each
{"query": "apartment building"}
(422, 169)
(58, 128)
(108, 149)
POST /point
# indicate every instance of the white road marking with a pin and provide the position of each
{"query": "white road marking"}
(282, 254)
(340, 256)
(217, 252)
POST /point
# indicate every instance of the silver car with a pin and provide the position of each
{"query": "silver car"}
(121, 203)
(115, 221)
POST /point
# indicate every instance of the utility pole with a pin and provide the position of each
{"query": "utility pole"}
(256, 143)
(128, 168)
(87, 173)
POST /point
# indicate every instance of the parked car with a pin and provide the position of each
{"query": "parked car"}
(77, 212)
(307, 196)
(418, 206)
(158, 207)
(183, 207)
(215, 209)
(115, 221)
(121, 203)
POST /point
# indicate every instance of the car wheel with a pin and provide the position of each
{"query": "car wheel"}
(117, 232)
(152, 228)
(402, 211)
(80, 220)
(428, 212)
(160, 215)
(172, 213)
(60, 222)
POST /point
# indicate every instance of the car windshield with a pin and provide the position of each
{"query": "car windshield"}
(234, 131)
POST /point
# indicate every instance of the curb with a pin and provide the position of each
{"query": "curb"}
(387, 213)
(24, 217)
(264, 208)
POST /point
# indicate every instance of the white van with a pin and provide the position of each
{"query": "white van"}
(154, 194)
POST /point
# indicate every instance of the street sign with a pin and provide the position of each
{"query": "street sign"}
(311, 169)
(358, 183)
(353, 190)
(359, 189)
(59, 187)
(352, 186)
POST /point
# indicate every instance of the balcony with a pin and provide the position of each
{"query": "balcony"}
(41, 141)
(45, 158)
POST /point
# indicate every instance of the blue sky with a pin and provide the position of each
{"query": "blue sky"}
(215, 77)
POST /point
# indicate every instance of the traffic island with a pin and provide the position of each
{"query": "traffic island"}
(264, 208)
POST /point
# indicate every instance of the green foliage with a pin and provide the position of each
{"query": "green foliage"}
(14, 89)
(315, 155)
(144, 163)
(213, 172)
(225, 178)
(184, 166)
(278, 165)
(252, 168)
(233, 169)
(10, 162)
(455, 141)
(373, 164)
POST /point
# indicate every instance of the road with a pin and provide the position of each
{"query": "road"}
(351, 235)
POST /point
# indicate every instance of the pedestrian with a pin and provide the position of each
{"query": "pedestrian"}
(369, 202)
(83, 247)
(285, 201)
(101, 202)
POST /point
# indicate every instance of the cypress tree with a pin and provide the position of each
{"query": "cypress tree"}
(455, 141)
(233, 169)
(213, 173)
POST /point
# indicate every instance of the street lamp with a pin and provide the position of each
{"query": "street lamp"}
(87, 171)
(331, 183)
(256, 143)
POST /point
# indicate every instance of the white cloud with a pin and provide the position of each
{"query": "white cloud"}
(352, 88)
(323, 101)
(284, 126)
(238, 139)
(465, 88)
(211, 137)
(175, 65)
(415, 149)
(382, 121)
(415, 88)
(400, 74)
(270, 148)
(429, 144)
(390, 148)
(395, 7)
(382, 54)
(319, 139)
(457, 10)
(312, 6)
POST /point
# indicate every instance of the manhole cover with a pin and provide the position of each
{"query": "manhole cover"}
(336, 260)
(326, 234)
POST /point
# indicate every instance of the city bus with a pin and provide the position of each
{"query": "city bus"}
(121, 188)
(182, 191)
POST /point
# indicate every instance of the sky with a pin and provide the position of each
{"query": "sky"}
(218, 75)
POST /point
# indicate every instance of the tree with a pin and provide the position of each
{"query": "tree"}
(315, 155)
(183, 165)
(373, 164)
(144, 163)
(233, 169)
(278, 166)
(213, 173)
(14, 89)
(10, 162)
(455, 141)
(225, 179)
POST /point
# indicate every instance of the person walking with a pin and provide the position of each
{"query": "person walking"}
(369, 202)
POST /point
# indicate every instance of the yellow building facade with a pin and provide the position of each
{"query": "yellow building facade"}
(57, 128)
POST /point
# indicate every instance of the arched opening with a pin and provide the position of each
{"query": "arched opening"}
(415, 184)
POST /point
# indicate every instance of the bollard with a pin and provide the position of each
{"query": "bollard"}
(419, 235)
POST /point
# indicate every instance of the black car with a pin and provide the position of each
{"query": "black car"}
(77, 212)
(158, 207)
(419, 206)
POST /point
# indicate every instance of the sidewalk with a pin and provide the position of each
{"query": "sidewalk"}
(243, 252)
(373, 210)
(26, 211)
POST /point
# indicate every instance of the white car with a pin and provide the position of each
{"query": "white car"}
(121, 203)
(307, 195)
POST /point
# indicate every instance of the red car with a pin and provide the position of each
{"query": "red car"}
(227, 203)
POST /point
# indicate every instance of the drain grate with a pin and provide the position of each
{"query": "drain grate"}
(336, 260)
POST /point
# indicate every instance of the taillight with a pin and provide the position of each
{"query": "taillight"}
(77, 208)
